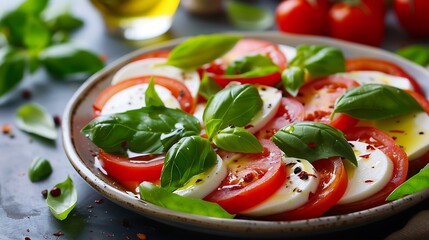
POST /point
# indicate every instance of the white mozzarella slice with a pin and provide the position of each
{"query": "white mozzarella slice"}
(373, 172)
(134, 98)
(301, 181)
(151, 66)
(199, 111)
(271, 98)
(288, 51)
(375, 77)
(204, 183)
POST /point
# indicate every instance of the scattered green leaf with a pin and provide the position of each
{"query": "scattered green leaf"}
(250, 17)
(416, 53)
(40, 169)
(414, 184)
(34, 119)
(12, 68)
(63, 204)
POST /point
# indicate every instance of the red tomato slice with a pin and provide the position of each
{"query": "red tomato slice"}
(387, 145)
(251, 179)
(332, 185)
(319, 96)
(156, 54)
(130, 172)
(372, 64)
(177, 88)
(290, 111)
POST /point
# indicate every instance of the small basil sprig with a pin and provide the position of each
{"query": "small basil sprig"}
(199, 50)
(252, 66)
(416, 53)
(144, 130)
(376, 101)
(12, 67)
(313, 141)
(248, 16)
(151, 97)
(316, 61)
(164, 198)
(208, 87)
(34, 119)
(416, 183)
(63, 204)
(39, 169)
(188, 157)
(237, 139)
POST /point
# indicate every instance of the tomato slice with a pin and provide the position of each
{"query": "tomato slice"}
(130, 172)
(177, 88)
(251, 179)
(155, 54)
(332, 185)
(319, 96)
(387, 145)
(372, 64)
(290, 111)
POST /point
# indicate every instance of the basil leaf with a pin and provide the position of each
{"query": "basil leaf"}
(376, 101)
(40, 169)
(293, 78)
(65, 60)
(199, 50)
(63, 204)
(36, 33)
(33, 118)
(13, 24)
(248, 16)
(313, 141)
(12, 67)
(64, 22)
(139, 130)
(162, 197)
(414, 184)
(208, 87)
(416, 53)
(185, 159)
(237, 139)
(35, 7)
(235, 105)
(252, 66)
(151, 97)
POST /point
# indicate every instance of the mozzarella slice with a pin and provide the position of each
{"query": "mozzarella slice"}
(301, 181)
(204, 183)
(372, 174)
(152, 66)
(134, 98)
(367, 77)
(271, 98)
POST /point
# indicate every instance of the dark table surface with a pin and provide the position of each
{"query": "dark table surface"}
(23, 212)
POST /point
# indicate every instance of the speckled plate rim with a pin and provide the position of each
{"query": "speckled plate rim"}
(239, 227)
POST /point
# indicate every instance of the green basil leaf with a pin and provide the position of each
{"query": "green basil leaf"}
(313, 141)
(188, 157)
(208, 87)
(293, 78)
(63, 204)
(139, 130)
(151, 96)
(12, 68)
(252, 66)
(414, 184)
(40, 169)
(33, 118)
(237, 139)
(64, 22)
(376, 101)
(249, 17)
(199, 50)
(65, 60)
(163, 198)
(235, 105)
(34, 7)
(13, 24)
(416, 53)
(36, 33)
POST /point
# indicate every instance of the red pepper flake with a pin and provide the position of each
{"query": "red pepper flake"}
(365, 155)
(6, 128)
(394, 138)
(55, 192)
(369, 181)
(89, 206)
(396, 131)
(98, 201)
(141, 236)
(312, 145)
(103, 57)
(58, 234)
(27, 238)
(248, 126)
(26, 94)
(370, 147)
(57, 120)
(248, 177)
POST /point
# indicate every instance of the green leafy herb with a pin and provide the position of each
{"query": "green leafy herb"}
(162, 197)
(293, 78)
(63, 204)
(235, 105)
(249, 17)
(33, 6)
(313, 141)
(376, 101)
(199, 50)
(237, 139)
(142, 130)
(252, 66)
(40, 169)
(208, 87)
(12, 66)
(33, 118)
(416, 53)
(151, 97)
(188, 157)
(416, 183)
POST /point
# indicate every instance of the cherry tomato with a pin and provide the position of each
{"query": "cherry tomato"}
(361, 23)
(177, 88)
(332, 185)
(413, 16)
(387, 145)
(251, 179)
(130, 172)
(372, 64)
(302, 17)
(319, 96)
(156, 54)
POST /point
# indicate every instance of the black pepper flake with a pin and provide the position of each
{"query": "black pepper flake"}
(198, 180)
(126, 223)
(45, 193)
(98, 201)
(303, 175)
(297, 170)
(231, 126)
(57, 120)
(421, 133)
(351, 145)
(181, 93)
(269, 105)
(58, 234)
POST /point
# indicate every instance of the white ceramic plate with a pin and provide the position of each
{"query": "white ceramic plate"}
(79, 150)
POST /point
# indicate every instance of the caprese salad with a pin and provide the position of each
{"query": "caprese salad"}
(226, 126)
